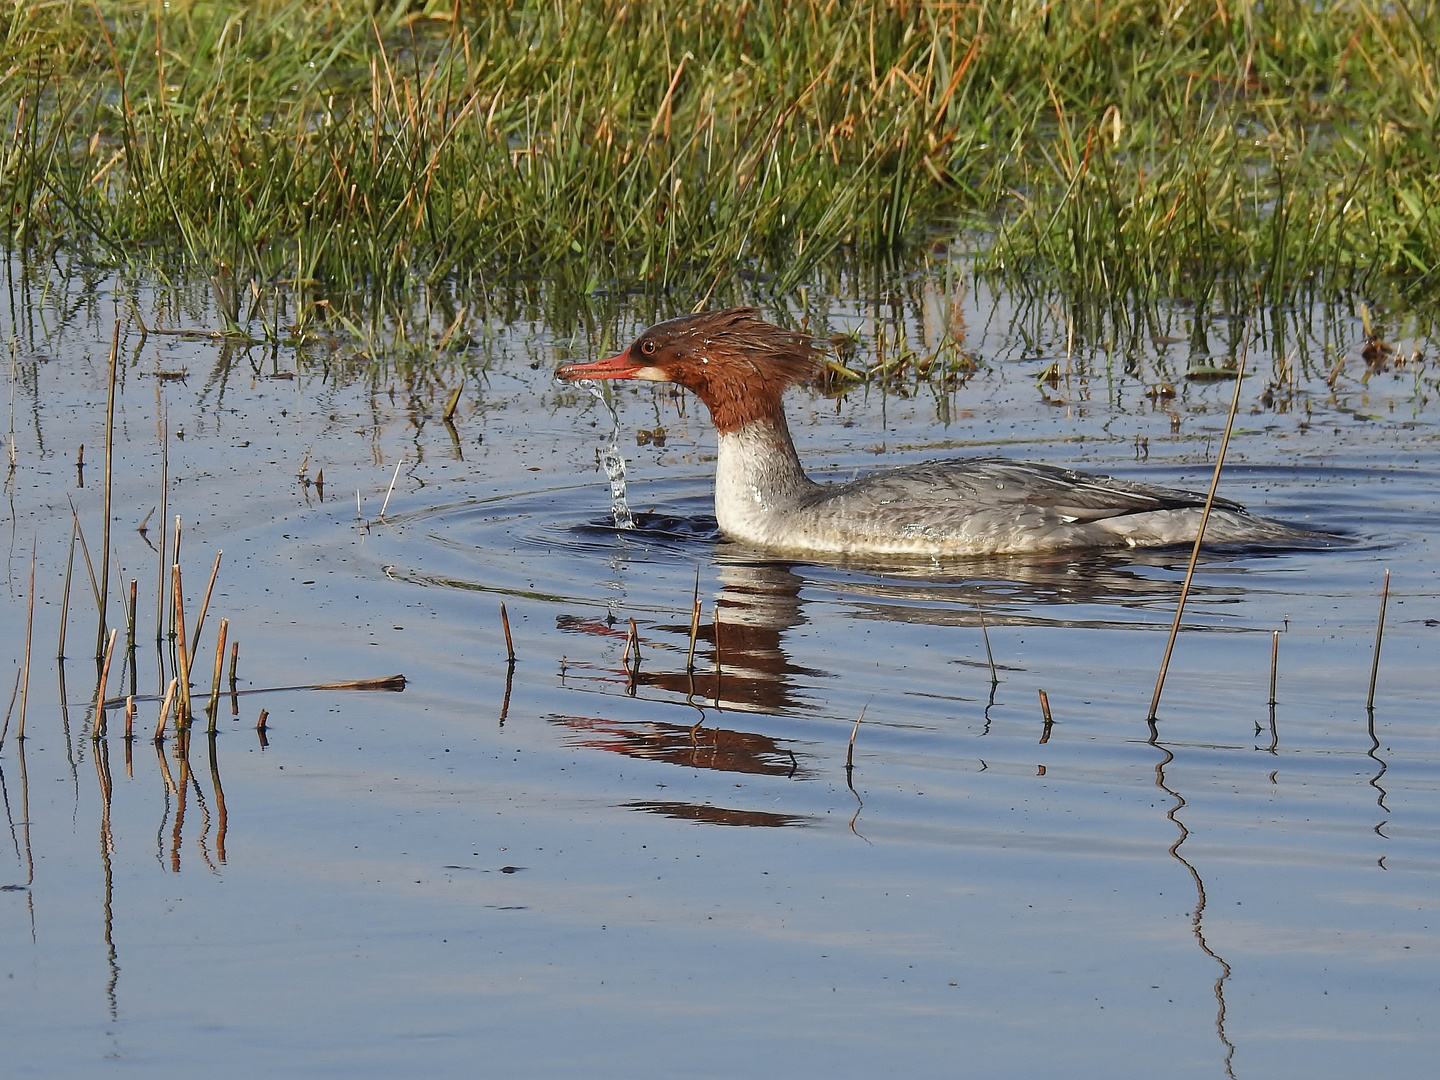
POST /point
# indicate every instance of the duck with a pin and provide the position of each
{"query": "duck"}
(740, 366)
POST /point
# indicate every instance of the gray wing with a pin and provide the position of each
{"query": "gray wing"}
(1000, 485)
(974, 505)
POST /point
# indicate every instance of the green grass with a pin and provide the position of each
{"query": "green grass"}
(1221, 152)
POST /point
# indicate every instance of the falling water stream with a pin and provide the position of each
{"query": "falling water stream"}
(612, 460)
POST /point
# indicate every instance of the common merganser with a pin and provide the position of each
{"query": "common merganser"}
(740, 367)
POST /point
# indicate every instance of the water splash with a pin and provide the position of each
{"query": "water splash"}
(612, 461)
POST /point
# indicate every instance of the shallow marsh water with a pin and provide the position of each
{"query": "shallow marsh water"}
(576, 867)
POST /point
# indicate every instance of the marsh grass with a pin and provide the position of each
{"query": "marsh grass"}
(318, 159)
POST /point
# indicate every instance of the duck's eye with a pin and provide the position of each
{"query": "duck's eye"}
(648, 346)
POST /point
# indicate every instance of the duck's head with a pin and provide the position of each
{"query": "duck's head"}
(733, 360)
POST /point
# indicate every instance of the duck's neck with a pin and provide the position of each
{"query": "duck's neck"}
(757, 475)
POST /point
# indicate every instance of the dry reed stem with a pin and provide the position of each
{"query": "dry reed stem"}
(389, 682)
(205, 604)
(850, 750)
(451, 404)
(1379, 633)
(632, 647)
(97, 730)
(165, 710)
(1200, 533)
(109, 484)
(130, 718)
(65, 592)
(1045, 712)
(391, 489)
(509, 641)
(260, 722)
(160, 592)
(1274, 661)
(234, 659)
(29, 631)
(85, 551)
(130, 621)
(985, 636)
(182, 658)
(174, 556)
(694, 626)
(214, 706)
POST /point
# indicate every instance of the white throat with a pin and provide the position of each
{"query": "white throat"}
(758, 479)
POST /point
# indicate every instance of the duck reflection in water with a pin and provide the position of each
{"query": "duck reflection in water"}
(747, 670)
(761, 601)
(694, 747)
(718, 815)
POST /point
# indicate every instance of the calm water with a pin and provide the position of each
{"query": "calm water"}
(578, 865)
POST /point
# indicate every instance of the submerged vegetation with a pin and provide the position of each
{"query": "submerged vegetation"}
(1220, 151)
